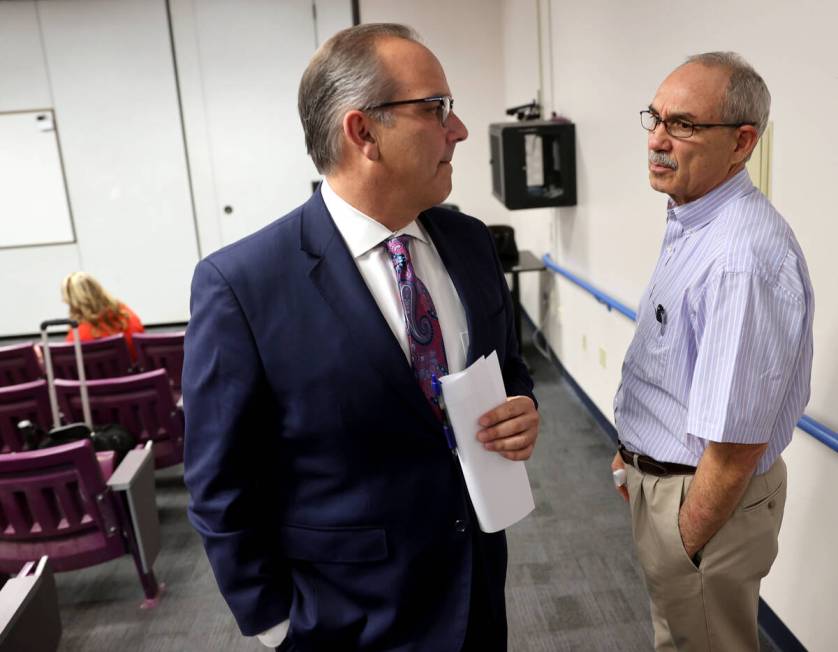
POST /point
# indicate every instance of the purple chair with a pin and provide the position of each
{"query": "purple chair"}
(19, 364)
(56, 502)
(27, 401)
(141, 403)
(106, 357)
(29, 618)
(161, 351)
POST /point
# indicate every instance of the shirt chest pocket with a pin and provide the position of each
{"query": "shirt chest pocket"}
(649, 353)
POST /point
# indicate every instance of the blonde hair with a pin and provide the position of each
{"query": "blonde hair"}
(90, 302)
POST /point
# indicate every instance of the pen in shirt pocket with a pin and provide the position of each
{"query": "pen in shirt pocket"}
(446, 424)
(660, 316)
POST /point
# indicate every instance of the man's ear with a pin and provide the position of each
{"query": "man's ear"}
(746, 139)
(357, 130)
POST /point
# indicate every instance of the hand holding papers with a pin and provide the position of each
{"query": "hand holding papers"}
(498, 487)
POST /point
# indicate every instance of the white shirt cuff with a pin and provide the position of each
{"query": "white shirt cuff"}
(275, 635)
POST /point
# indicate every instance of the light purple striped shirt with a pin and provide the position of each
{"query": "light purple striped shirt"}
(731, 358)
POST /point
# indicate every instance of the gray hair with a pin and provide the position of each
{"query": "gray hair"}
(344, 74)
(747, 98)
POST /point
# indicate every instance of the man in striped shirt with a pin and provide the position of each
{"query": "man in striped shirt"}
(718, 371)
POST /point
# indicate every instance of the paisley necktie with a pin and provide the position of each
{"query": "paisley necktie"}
(424, 335)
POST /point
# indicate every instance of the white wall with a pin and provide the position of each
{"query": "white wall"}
(24, 84)
(601, 63)
(113, 84)
(239, 67)
(106, 69)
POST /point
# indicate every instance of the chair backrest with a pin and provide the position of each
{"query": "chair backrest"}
(55, 502)
(27, 401)
(19, 364)
(141, 403)
(161, 351)
(106, 357)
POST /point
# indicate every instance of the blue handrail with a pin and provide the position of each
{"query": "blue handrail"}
(807, 424)
(599, 295)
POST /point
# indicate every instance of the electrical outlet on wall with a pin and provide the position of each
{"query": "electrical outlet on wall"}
(602, 357)
(584, 342)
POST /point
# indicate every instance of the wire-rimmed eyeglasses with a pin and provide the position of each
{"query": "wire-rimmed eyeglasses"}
(445, 105)
(678, 127)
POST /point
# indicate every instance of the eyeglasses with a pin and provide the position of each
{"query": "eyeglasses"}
(446, 105)
(679, 128)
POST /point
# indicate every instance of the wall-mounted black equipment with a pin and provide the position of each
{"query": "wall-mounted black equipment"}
(530, 111)
(533, 163)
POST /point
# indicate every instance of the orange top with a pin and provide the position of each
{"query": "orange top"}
(104, 330)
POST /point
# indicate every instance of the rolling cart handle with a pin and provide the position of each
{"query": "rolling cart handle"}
(72, 323)
(53, 398)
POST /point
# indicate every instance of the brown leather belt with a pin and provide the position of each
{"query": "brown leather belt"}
(646, 464)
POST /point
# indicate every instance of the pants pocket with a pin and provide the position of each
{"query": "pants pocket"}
(677, 543)
(660, 548)
(754, 503)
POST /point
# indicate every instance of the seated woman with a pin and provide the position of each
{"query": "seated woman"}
(98, 313)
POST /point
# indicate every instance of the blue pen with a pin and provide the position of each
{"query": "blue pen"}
(436, 385)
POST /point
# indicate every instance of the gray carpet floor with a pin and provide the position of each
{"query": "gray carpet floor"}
(573, 580)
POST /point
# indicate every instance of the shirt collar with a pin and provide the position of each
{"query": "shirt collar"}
(361, 232)
(701, 211)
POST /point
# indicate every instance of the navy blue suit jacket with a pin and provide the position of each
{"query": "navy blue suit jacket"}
(320, 480)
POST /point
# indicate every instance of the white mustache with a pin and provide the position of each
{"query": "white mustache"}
(661, 158)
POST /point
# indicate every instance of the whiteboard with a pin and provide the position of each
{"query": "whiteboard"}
(34, 208)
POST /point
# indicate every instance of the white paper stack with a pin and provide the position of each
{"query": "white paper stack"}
(499, 488)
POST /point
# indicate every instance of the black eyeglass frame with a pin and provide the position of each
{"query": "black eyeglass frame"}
(692, 125)
(442, 99)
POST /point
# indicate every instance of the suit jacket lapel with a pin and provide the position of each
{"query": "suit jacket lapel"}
(336, 276)
(456, 257)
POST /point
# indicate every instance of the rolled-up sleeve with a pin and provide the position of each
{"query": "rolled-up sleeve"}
(750, 331)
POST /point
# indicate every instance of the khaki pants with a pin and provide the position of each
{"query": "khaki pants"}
(712, 606)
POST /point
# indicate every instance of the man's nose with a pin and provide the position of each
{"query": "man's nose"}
(457, 130)
(659, 137)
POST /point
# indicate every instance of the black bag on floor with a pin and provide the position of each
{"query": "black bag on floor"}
(113, 437)
(110, 437)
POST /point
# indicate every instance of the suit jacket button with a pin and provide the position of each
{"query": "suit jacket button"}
(460, 525)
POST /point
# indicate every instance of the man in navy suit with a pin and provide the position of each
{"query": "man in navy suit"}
(333, 513)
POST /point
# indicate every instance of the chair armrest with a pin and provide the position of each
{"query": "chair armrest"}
(29, 617)
(131, 468)
(134, 480)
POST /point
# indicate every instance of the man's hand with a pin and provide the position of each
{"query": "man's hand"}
(720, 481)
(617, 463)
(511, 428)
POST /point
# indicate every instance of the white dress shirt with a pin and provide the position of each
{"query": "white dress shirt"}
(364, 237)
